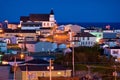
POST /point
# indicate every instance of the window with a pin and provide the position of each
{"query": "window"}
(100, 35)
(87, 38)
(86, 42)
(115, 52)
(76, 38)
(44, 24)
(83, 38)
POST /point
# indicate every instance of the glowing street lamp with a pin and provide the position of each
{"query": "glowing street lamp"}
(22, 56)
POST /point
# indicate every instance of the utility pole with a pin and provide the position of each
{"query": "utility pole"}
(50, 69)
(115, 73)
(26, 71)
(15, 66)
(73, 61)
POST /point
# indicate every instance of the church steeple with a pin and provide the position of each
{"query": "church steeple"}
(52, 18)
(52, 12)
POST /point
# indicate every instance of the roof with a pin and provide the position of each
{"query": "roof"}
(109, 35)
(36, 61)
(39, 17)
(30, 42)
(17, 31)
(117, 47)
(84, 34)
(40, 67)
(35, 17)
(24, 18)
(40, 36)
(45, 28)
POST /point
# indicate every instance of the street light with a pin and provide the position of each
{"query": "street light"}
(15, 67)
(50, 67)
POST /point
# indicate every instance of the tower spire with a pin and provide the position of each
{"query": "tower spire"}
(52, 12)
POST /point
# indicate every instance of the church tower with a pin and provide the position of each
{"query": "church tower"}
(52, 18)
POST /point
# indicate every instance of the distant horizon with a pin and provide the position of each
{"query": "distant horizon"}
(61, 22)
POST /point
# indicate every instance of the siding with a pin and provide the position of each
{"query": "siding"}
(4, 72)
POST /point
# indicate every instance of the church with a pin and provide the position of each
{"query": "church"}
(37, 21)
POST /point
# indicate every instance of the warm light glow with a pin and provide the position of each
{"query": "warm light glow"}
(98, 39)
(4, 62)
(21, 56)
(58, 73)
(1, 30)
(19, 26)
(21, 34)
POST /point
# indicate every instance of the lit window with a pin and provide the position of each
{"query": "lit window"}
(59, 73)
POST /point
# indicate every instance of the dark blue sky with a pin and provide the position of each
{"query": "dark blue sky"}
(65, 10)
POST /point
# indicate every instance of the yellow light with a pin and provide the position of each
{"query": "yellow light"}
(58, 73)
(19, 26)
(4, 62)
(1, 30)
(21, 56)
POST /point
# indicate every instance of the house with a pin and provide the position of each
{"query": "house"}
(35, 68)
(113, 51)
(96, 32)
(32, 72)
(84, 39)
(4, 72)
(3, 46)
(15, 36)
(34, 46)
(109, 35)
(44, 31)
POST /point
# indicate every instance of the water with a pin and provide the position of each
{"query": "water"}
(101, 25)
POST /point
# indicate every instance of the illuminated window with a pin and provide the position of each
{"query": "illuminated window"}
(59, 73)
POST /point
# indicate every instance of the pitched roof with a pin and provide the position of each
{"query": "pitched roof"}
(45, 28)
(117, 47)
(17, 31)
(84, 34)
(39, 17)
(24, 18)
(40, 67)
(36, 61)
(29, 42)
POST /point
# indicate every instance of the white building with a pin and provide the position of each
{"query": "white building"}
(33, 46)
(84, 39)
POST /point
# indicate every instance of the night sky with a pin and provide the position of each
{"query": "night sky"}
(65, 10)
